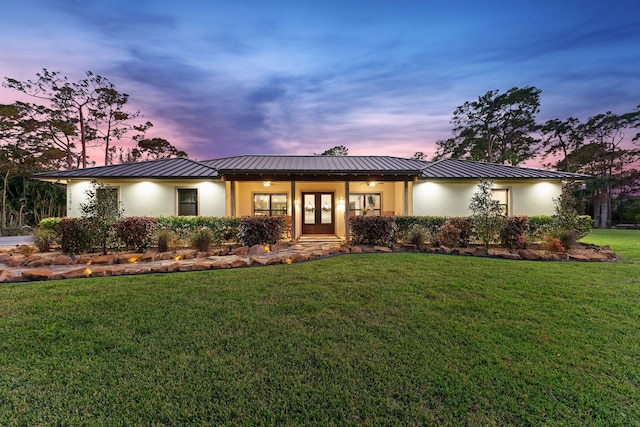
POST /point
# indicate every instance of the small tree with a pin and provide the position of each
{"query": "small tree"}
(486, 213)
(566, 221)
(102, 211)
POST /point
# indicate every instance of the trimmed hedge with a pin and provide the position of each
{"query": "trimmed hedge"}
(225, 229)
(373, 230)
(135, 232)
(74, 235)
(258, 230)
(408, 226)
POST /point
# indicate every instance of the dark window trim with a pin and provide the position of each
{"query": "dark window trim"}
(270, 211)
(179, 203)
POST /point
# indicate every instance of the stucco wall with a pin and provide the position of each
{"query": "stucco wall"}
(447, 198)
(147, 198)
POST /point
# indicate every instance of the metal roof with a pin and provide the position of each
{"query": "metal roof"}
(468, 169)
(309, 167)
(179, 167)
(316, 164)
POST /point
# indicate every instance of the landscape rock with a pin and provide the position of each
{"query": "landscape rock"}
(529, 255)
(62, 260)
(240, 251)
(37, 275)
(103, 259)
(74, 274)
(7, 276)
(578, 257)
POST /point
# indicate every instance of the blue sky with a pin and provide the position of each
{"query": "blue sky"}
(223, 78)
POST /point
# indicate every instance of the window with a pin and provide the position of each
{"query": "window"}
(108, 194)
(501, 195)
(365, 204)
(187, 202)
(270, 204)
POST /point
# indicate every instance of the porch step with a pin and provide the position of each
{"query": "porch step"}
(319, 238)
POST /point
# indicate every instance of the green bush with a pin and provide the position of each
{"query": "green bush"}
(163, 238)
(513, 231)
(373, 230)
(74, 235)
(224, 229)
(49, 224)
(448, 235)
(135, 232)
(417, 235)
(539, 224)
(44, 239)
(407, 224)
(465, 225)
(256, 230)
(201, 239)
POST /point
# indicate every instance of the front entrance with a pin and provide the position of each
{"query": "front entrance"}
(318, 214)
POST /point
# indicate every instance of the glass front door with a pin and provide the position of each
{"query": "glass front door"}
(318, 214)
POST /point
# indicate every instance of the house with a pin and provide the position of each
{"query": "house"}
(316, 193)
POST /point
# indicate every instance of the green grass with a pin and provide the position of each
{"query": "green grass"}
(376, 339)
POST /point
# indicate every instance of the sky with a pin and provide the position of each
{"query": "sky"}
(381, 77)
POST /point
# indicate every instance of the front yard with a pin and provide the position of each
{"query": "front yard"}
(386, 339)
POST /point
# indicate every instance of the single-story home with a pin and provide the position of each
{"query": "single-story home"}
(316, 193)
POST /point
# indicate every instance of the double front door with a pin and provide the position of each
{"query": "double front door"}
(318, 214)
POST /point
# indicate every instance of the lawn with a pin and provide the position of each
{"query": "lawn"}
(375, 339)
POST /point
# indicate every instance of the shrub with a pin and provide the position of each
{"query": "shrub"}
(255, 230)
(73, 234)
(513, 231)
(567, 237)
(553, 244)
(373, 230)
(539, 225)
(201, 239)
(487, 214)
(102, 210)
(566, 216)
(49, 224)
(134, 232)
(417, 235)
(223, 229)
(406, 224)
(465, 225)
(449, 235)
(163, 238)
(44, 239)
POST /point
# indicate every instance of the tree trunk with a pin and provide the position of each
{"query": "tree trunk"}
(5, 180)
(83, 137)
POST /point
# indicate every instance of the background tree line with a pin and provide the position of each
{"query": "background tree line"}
(65, 122)
(502, 128)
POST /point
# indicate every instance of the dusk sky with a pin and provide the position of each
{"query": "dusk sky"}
(382, 77)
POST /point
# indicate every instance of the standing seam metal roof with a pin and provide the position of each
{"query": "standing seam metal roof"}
(468, 169)
(327, 164)
(167, 168)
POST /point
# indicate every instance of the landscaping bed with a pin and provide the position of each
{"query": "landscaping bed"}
(18, 265)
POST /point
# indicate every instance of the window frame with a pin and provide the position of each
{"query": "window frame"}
(358, 212)
(505, 207)
(179, 203)
(270, 210)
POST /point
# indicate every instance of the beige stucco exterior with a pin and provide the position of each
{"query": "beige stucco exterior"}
(451, 198)
(391, 193)
(235, 198)
(151, 198)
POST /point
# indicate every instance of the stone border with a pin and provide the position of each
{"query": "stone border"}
(39, 267)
